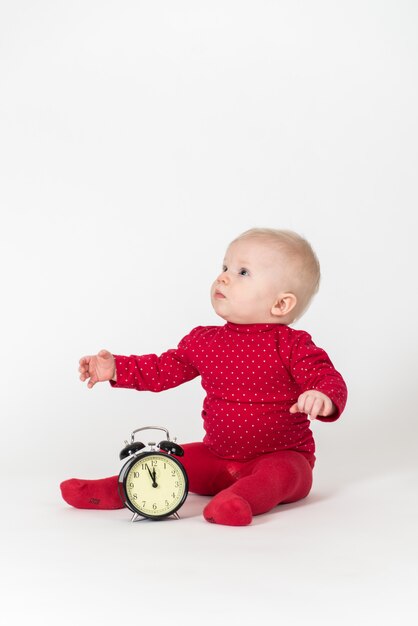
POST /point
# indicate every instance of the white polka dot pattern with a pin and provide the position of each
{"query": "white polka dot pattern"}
(252, 374)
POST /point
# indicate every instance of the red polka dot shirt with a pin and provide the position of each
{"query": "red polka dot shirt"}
(252, 374)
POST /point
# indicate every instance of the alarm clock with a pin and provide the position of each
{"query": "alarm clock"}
(152, 483)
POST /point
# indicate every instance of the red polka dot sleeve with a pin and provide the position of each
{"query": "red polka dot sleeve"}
(150, 372)
(311, 367)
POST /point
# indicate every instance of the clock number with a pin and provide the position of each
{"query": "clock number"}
(136, 474)
(135, 496)
(173, 472)
(154, 506)
(154, 463)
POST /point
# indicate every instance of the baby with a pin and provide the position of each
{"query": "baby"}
(263, 381)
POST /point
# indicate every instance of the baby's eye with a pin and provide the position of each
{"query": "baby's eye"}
(243, 272)
(224, 268)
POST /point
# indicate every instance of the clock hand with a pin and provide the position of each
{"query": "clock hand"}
(153, 476)
(150, 473)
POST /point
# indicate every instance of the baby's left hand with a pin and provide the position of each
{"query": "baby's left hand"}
(314, 403)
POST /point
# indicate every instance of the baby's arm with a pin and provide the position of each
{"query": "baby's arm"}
(323, 392)
(97, 368)
(150, 372)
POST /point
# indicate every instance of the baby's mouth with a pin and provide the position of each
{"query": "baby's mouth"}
(219, 295)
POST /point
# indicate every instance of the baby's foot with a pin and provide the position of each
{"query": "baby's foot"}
(229, 509)
(92, 494)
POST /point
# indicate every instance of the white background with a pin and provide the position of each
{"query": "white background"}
(136, 140)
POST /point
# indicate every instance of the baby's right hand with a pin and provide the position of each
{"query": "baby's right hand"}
(97, 368)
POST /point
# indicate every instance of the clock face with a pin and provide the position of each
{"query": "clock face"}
(155, 485)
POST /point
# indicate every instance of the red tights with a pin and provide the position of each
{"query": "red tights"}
(241, 489)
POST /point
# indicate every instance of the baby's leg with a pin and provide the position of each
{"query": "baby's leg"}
(271, 479)
(207, 474)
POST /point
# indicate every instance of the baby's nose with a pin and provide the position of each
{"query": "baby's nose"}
(222, 278)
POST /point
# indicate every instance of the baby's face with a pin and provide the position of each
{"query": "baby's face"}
(250, 283)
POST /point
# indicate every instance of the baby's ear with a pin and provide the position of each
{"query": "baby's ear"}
(285, 303)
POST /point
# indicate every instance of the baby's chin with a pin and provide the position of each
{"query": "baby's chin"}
(220, 308)
(236, 319)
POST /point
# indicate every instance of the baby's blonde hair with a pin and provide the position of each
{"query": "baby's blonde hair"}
(302, 265)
